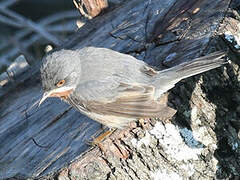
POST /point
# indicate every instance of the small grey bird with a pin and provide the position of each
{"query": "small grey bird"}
(114, 88)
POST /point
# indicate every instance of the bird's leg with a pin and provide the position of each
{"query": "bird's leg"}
(101, 137)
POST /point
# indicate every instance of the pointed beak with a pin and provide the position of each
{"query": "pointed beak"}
(53, 92)
(44, 97)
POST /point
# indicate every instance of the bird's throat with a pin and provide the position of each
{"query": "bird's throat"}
(63, 95)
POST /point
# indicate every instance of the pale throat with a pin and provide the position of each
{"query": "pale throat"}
(62, 95)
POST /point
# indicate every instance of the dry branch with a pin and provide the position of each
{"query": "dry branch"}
(93, 7)
(47, 23)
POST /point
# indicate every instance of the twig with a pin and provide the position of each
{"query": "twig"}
(59, 16)
(28, 23)
(34, 38)
(7, 3)
(48, 20)
(8, 21)
(79, 6)
(66, 27)
(15, 51)
(29, 58)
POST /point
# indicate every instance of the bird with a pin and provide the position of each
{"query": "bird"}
(111, 87)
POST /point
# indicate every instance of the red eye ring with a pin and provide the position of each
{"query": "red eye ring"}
(60, 83)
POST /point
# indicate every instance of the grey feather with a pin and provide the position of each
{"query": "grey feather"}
(115, 88)
(166, 79)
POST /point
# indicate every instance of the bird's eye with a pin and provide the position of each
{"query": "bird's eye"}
(60, 83)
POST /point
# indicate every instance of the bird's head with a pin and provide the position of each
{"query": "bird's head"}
(59, 73)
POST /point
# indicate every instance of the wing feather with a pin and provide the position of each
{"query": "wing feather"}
(130, 101)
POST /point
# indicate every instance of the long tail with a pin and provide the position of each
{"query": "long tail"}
(166, 79)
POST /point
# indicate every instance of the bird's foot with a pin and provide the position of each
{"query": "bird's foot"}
(97, 140)
(142, 122)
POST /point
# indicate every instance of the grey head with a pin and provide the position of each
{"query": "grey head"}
(60, 71)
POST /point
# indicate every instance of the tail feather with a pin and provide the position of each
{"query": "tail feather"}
(201, 64)
(166, 79)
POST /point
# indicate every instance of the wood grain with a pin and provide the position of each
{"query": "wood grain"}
(162, 33)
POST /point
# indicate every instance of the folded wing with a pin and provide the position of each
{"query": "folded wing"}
(124, 100)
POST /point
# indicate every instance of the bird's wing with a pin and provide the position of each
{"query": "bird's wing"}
(118, 99)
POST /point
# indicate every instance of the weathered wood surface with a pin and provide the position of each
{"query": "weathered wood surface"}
(161, 33)
(93, 7)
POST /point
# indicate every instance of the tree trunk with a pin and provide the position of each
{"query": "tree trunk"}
(199, 139)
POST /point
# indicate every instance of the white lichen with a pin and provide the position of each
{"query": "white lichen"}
(189, 168)
(165, 175)
(194, 113)
(145, 140)
(232, 39)
(172, 142)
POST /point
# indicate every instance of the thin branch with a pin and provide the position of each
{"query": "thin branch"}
(10, 22)
(28, 23)
(59, 16)
(29, 58)
(8, 3)
(66, 27)
(15, 51)
(79, 6)
(34, 38)
(48, 20)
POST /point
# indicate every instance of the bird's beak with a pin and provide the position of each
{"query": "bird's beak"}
(44, 97)
(53, 92)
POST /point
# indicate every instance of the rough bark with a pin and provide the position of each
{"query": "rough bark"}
(200, 141)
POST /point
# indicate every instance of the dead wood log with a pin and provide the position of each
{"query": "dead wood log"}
(93, 7)
(201, 141)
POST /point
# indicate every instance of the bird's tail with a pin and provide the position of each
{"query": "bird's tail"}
(166, 79)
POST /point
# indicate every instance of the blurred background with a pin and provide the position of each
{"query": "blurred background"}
(30, 27)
